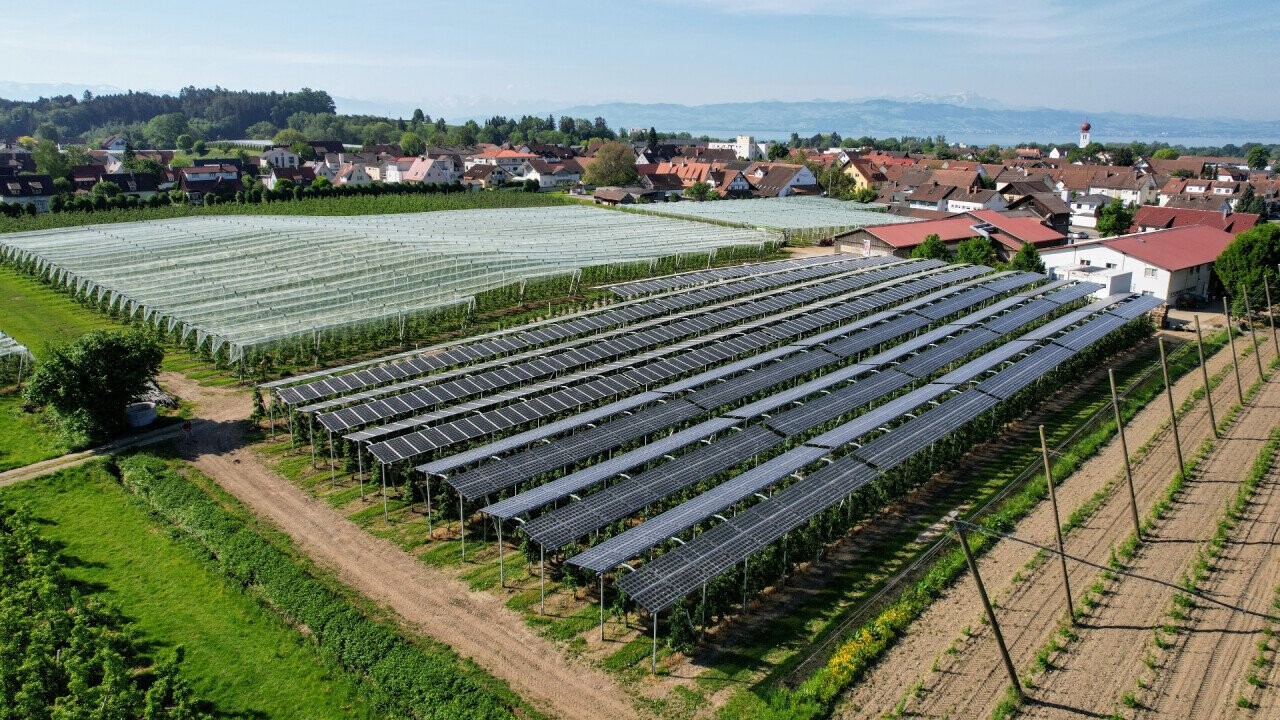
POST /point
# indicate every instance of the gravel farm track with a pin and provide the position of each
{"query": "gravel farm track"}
(971, 681)
(429, 602)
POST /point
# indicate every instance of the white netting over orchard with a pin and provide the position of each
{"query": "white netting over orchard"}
(12, 348)
(795, 215)
(249, 282)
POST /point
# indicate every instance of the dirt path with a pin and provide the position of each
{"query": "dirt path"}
(1208, 667)
(971, 680)
(1113, 640)
(216, 405)
(476, 625)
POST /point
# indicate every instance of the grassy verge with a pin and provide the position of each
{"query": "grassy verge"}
(239, 655)
(400, 676)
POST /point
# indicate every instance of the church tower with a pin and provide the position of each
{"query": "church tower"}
(1084, 134)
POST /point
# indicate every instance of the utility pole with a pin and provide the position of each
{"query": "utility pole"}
(954, 517)
(1124, 448)
(1173, 412)
(1057, 524)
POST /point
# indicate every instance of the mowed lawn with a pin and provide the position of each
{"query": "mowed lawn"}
(243, 659)
(37, 315)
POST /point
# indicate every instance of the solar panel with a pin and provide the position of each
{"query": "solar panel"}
(1136, 307)
(1009, 382)
(1090, 332)
(878, 417)
(840, 402)
(875, 336)
(636, 540)
(557, 528)
(914, 436)
(1074, 292)
(933, 359)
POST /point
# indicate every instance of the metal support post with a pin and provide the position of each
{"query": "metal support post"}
(427, 482)
(502, 573)
(1124, 448)
(744, 584)
(1204, 373)
(462, 528)
(1057, 524)
(1253, 334)
(1231, 340)
(271, 418)
(704, 609)
(360, 470)
(986, 605)
(383, 467)
(333, 463)
(601, 576)
(542, 579)
(311, 435)
(653, 659)
(1173, 412)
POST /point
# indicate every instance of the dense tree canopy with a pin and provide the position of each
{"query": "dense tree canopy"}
(1115, 219)
(1252, 256)
(933, 248)
(976, 251)
(1258, 157)
(88, 383)
(614, 164)
(1027, 259)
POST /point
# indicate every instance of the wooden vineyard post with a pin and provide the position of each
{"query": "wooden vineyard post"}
(1124, 448)
(1253, 334)
(986, 603)
(1235, 360)
(1204, 373)
(1173, 412)
(1057, 524)
(1271, 313)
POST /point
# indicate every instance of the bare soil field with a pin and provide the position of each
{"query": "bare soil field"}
(970, 680)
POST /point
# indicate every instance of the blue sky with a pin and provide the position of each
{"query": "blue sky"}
(1174, 57)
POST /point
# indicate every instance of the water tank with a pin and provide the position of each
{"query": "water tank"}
(141, 414)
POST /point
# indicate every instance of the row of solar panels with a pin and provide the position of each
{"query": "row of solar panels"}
(685, 324)
(703, 277)
(623, 547)
(553, 332)
(716, 351)
(498, 379)
(875, 381)
(500, 474)
(660, 583)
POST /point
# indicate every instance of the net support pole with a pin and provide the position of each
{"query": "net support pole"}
(1231, 340)
(311, 436)
(1124, 449)
(462, 529)
(1204, 374)
(1271, 313)
(271, 418)
(1253, 333)
(427, 483)
(1057, 524)
(360, 469)
(333, 463)
(986, 605)
(542, 579)
(1173, 411)
(745, 560)
(502, 573)
(601, 576)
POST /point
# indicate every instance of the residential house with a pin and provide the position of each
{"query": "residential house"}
(130, 183)
(1048, 207)
(199, 181)
(667, 184)
(35, 190)
(509, 160)
(281, 157)
(84, 177)
(962, 201)
(865, 173)
(1150, 218)
(325, 147)
(781, 180)
(484, 175)
(548, 176)
(115, 144)
(352, 174)
(1131, 187)
(300, 176)
(1085, 209)
(730, 183)
(1170, 264)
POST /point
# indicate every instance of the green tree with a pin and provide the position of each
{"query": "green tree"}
(932, 248)
(106, 188)
(1257, 158)
(699, 191)
(184, 142)
(651, 139)
(88, 382)
(411, 143)
(288, 137)
(1122, 156)
(1249, 258)
(1165, 154)
(48, 131)
(262, 130)
(1027, 259)
(199, 148)
(777, 151)
(976, 251)
(614, 164)
(303, 150)
(1249, 202)
(162, 131)
(1115, 219)
(48, 160)
(863, 194)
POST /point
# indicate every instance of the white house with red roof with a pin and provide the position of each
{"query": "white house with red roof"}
(1007, 233)
(1165, 263)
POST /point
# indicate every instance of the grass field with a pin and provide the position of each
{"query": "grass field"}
(239, 656)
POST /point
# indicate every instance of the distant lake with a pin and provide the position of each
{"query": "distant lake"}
(982, 140)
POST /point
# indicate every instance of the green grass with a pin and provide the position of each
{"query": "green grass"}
(25, 437)
(239, 656)
(37, 315)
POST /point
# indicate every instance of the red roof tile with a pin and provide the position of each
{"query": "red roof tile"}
(1174, 249)
(1171, 217)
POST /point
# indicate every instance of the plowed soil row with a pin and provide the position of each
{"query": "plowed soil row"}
(971, 680)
